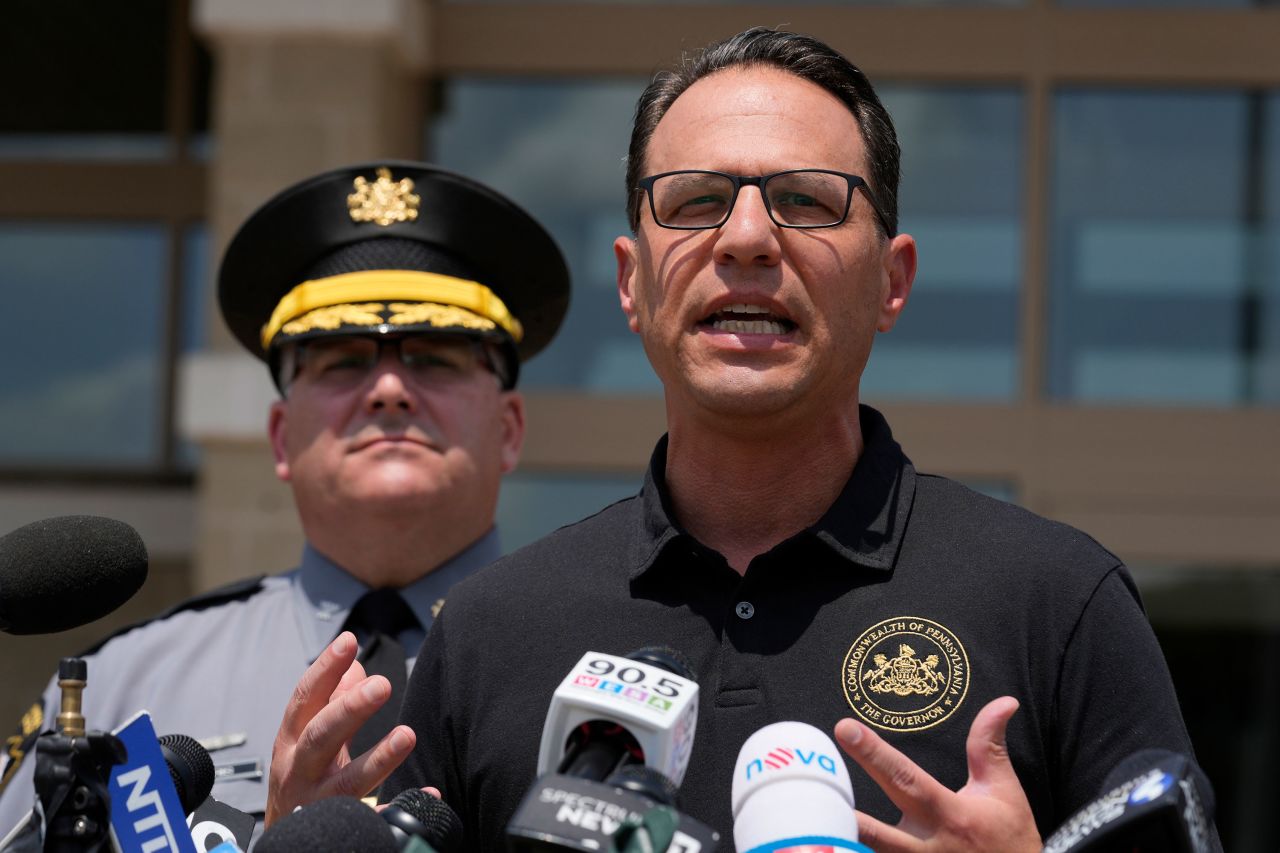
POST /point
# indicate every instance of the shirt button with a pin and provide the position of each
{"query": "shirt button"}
(745, 610)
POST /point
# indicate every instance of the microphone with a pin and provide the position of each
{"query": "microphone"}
(208, 820)
(64, 572)
(414, 813)
(333, 825)
(791, 791)
(414, 822)
(190, 768)
(610, 711)
(146, 812)
(615, 746)
(1156, 800)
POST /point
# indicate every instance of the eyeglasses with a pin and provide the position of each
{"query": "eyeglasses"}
(342, 362)
(693, 199)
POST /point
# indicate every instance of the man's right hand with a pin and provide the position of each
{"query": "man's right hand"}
(311, 758)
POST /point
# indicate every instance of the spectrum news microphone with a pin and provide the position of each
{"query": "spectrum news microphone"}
(413, 822)
(791, 791)
(1157, 801)
(615, 747)
(64, 572)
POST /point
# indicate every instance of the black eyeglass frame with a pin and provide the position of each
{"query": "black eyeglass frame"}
(853, 182)
(287, 359)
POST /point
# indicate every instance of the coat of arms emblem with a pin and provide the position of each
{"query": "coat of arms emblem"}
(383, 201)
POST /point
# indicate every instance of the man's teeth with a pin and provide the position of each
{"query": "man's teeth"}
(745, 327)
(730, 323)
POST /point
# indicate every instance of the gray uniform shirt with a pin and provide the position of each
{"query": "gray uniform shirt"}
(224, 674)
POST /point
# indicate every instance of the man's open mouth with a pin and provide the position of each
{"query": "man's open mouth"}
(748, 320)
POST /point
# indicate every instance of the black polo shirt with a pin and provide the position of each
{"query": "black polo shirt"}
(912, 603)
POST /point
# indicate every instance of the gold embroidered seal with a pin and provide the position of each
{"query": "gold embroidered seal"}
(905, 674)
(383, 201)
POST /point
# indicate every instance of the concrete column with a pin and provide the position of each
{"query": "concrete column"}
(300, 86)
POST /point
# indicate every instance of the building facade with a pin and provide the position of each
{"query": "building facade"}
(1094, 332)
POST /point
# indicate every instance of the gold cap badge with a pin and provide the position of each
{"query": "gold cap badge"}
(384, 201)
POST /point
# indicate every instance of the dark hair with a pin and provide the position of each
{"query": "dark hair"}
(803, 56)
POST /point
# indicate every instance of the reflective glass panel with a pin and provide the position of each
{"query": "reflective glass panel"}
(1220, 631)
(81, 381)
(197, 304)
(557, 148)
(84, 67)
(961, 198)
(532, 505)
(1163, 250)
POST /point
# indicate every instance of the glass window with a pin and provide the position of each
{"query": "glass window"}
(557, 148)
(93, 80)
(532, 505)
(961, 197)
(81, 383)
(1164, 227)
(1220, 631)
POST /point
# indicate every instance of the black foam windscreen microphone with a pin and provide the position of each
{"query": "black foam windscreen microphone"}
(1155, 801)
(190, 767)
(64, 572)
(335, 825)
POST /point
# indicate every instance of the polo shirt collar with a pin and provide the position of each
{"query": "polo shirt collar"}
(326, 592)
(865, 525)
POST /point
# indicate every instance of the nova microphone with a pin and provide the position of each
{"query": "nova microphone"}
(1156, 801)
(65, 572)
(791, 792)
(614, 748)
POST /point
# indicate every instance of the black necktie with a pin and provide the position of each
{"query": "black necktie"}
(376, 620)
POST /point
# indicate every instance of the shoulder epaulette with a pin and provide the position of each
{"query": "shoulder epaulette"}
(234, 591)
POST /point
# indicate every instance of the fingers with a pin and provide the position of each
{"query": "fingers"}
(317, 684)
(309, 758)
(324, 737)
(911, 789)
(369, 771)
(988, 755)
(883, 838)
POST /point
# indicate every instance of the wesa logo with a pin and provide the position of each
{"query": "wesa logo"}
(781, 757)
(147, 812)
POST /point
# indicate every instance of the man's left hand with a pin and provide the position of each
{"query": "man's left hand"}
(989, 814)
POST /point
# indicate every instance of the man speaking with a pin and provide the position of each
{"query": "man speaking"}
(394, 332)
(782, 541)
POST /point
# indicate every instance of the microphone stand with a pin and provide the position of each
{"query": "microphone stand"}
(73, 768)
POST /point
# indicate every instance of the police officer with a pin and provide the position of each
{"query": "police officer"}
(394, 329)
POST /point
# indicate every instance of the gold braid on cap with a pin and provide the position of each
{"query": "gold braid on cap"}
(355, 289)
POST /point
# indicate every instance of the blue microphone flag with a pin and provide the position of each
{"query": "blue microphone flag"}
(146, 814)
